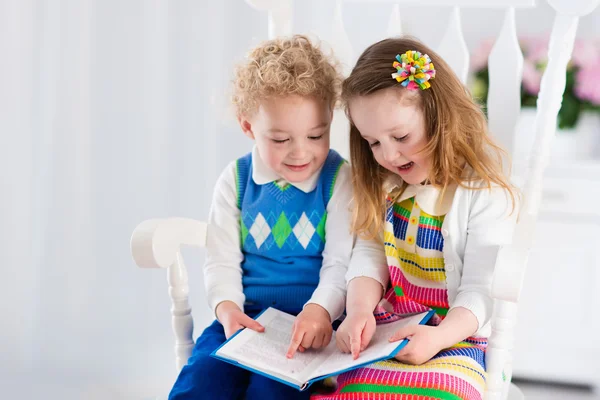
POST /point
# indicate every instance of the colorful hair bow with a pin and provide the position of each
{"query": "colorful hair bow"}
(414, 70)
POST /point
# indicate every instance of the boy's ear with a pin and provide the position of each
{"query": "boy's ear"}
(246, 126)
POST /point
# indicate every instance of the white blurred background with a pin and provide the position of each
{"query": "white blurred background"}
(112, 112)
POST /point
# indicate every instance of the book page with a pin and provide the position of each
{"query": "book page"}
(266, 351)
(378, 348)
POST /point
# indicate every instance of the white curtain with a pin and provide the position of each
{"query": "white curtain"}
(112, 112)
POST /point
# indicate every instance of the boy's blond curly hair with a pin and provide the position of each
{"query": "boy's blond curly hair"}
(285, 66)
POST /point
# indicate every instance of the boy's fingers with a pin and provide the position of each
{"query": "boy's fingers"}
(301, 349)
(251, 323)
(297, 337)
(308, 340)
(318, 341)
(233, 328)
(327, 340)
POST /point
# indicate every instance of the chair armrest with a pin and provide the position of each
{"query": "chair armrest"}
(156, 242)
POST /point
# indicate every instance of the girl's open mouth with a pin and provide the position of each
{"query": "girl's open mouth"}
(406, 167)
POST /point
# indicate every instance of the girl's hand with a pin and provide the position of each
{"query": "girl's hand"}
(424, 343)
(312, 328)
(355, 333)
(233, 319)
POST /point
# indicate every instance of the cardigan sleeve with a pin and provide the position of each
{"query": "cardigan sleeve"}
(369, 260)
(490, 225)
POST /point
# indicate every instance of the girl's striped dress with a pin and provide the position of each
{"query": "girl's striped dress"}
(413, 246)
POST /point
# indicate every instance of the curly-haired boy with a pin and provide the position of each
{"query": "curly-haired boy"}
(279, 231)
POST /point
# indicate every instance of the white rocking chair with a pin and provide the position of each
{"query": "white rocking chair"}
(156, 243)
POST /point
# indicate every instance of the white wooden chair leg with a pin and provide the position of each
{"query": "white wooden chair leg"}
(498, 354)
(514, 393)
(183, 324)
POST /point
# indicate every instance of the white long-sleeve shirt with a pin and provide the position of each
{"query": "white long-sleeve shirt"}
(223, 271)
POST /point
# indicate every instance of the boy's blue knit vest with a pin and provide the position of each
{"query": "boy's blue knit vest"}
(282, 236)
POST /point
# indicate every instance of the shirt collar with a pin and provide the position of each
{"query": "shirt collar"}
(263, 174)
(427, 196)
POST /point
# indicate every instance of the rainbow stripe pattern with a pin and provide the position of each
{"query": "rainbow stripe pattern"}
(414, 244)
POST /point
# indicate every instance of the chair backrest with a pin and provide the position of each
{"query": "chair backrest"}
(505, 65)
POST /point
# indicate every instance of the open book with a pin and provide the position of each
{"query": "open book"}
(264, 353)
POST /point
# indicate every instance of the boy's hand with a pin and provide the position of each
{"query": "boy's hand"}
(355, 333)
(233, 319)
(312, 328)
(423, 344)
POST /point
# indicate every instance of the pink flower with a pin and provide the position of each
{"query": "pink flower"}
(587, 84)
(585, 59)
(585, 53)
(479, 59)
(532, 78)
(535, 50)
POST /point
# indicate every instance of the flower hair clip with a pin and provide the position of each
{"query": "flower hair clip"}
(414, 70)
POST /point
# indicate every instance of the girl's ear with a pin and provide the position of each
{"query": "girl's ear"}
(246, 126)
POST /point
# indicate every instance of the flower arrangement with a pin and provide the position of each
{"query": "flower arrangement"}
(582, 91)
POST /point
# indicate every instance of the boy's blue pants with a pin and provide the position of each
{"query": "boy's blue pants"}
(205, 377)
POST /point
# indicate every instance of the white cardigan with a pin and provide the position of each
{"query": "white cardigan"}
(478, 223)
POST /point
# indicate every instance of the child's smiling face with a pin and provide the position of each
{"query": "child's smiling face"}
(291, 134)
(392, 122)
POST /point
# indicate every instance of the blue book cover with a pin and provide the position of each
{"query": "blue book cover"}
(265, 353)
